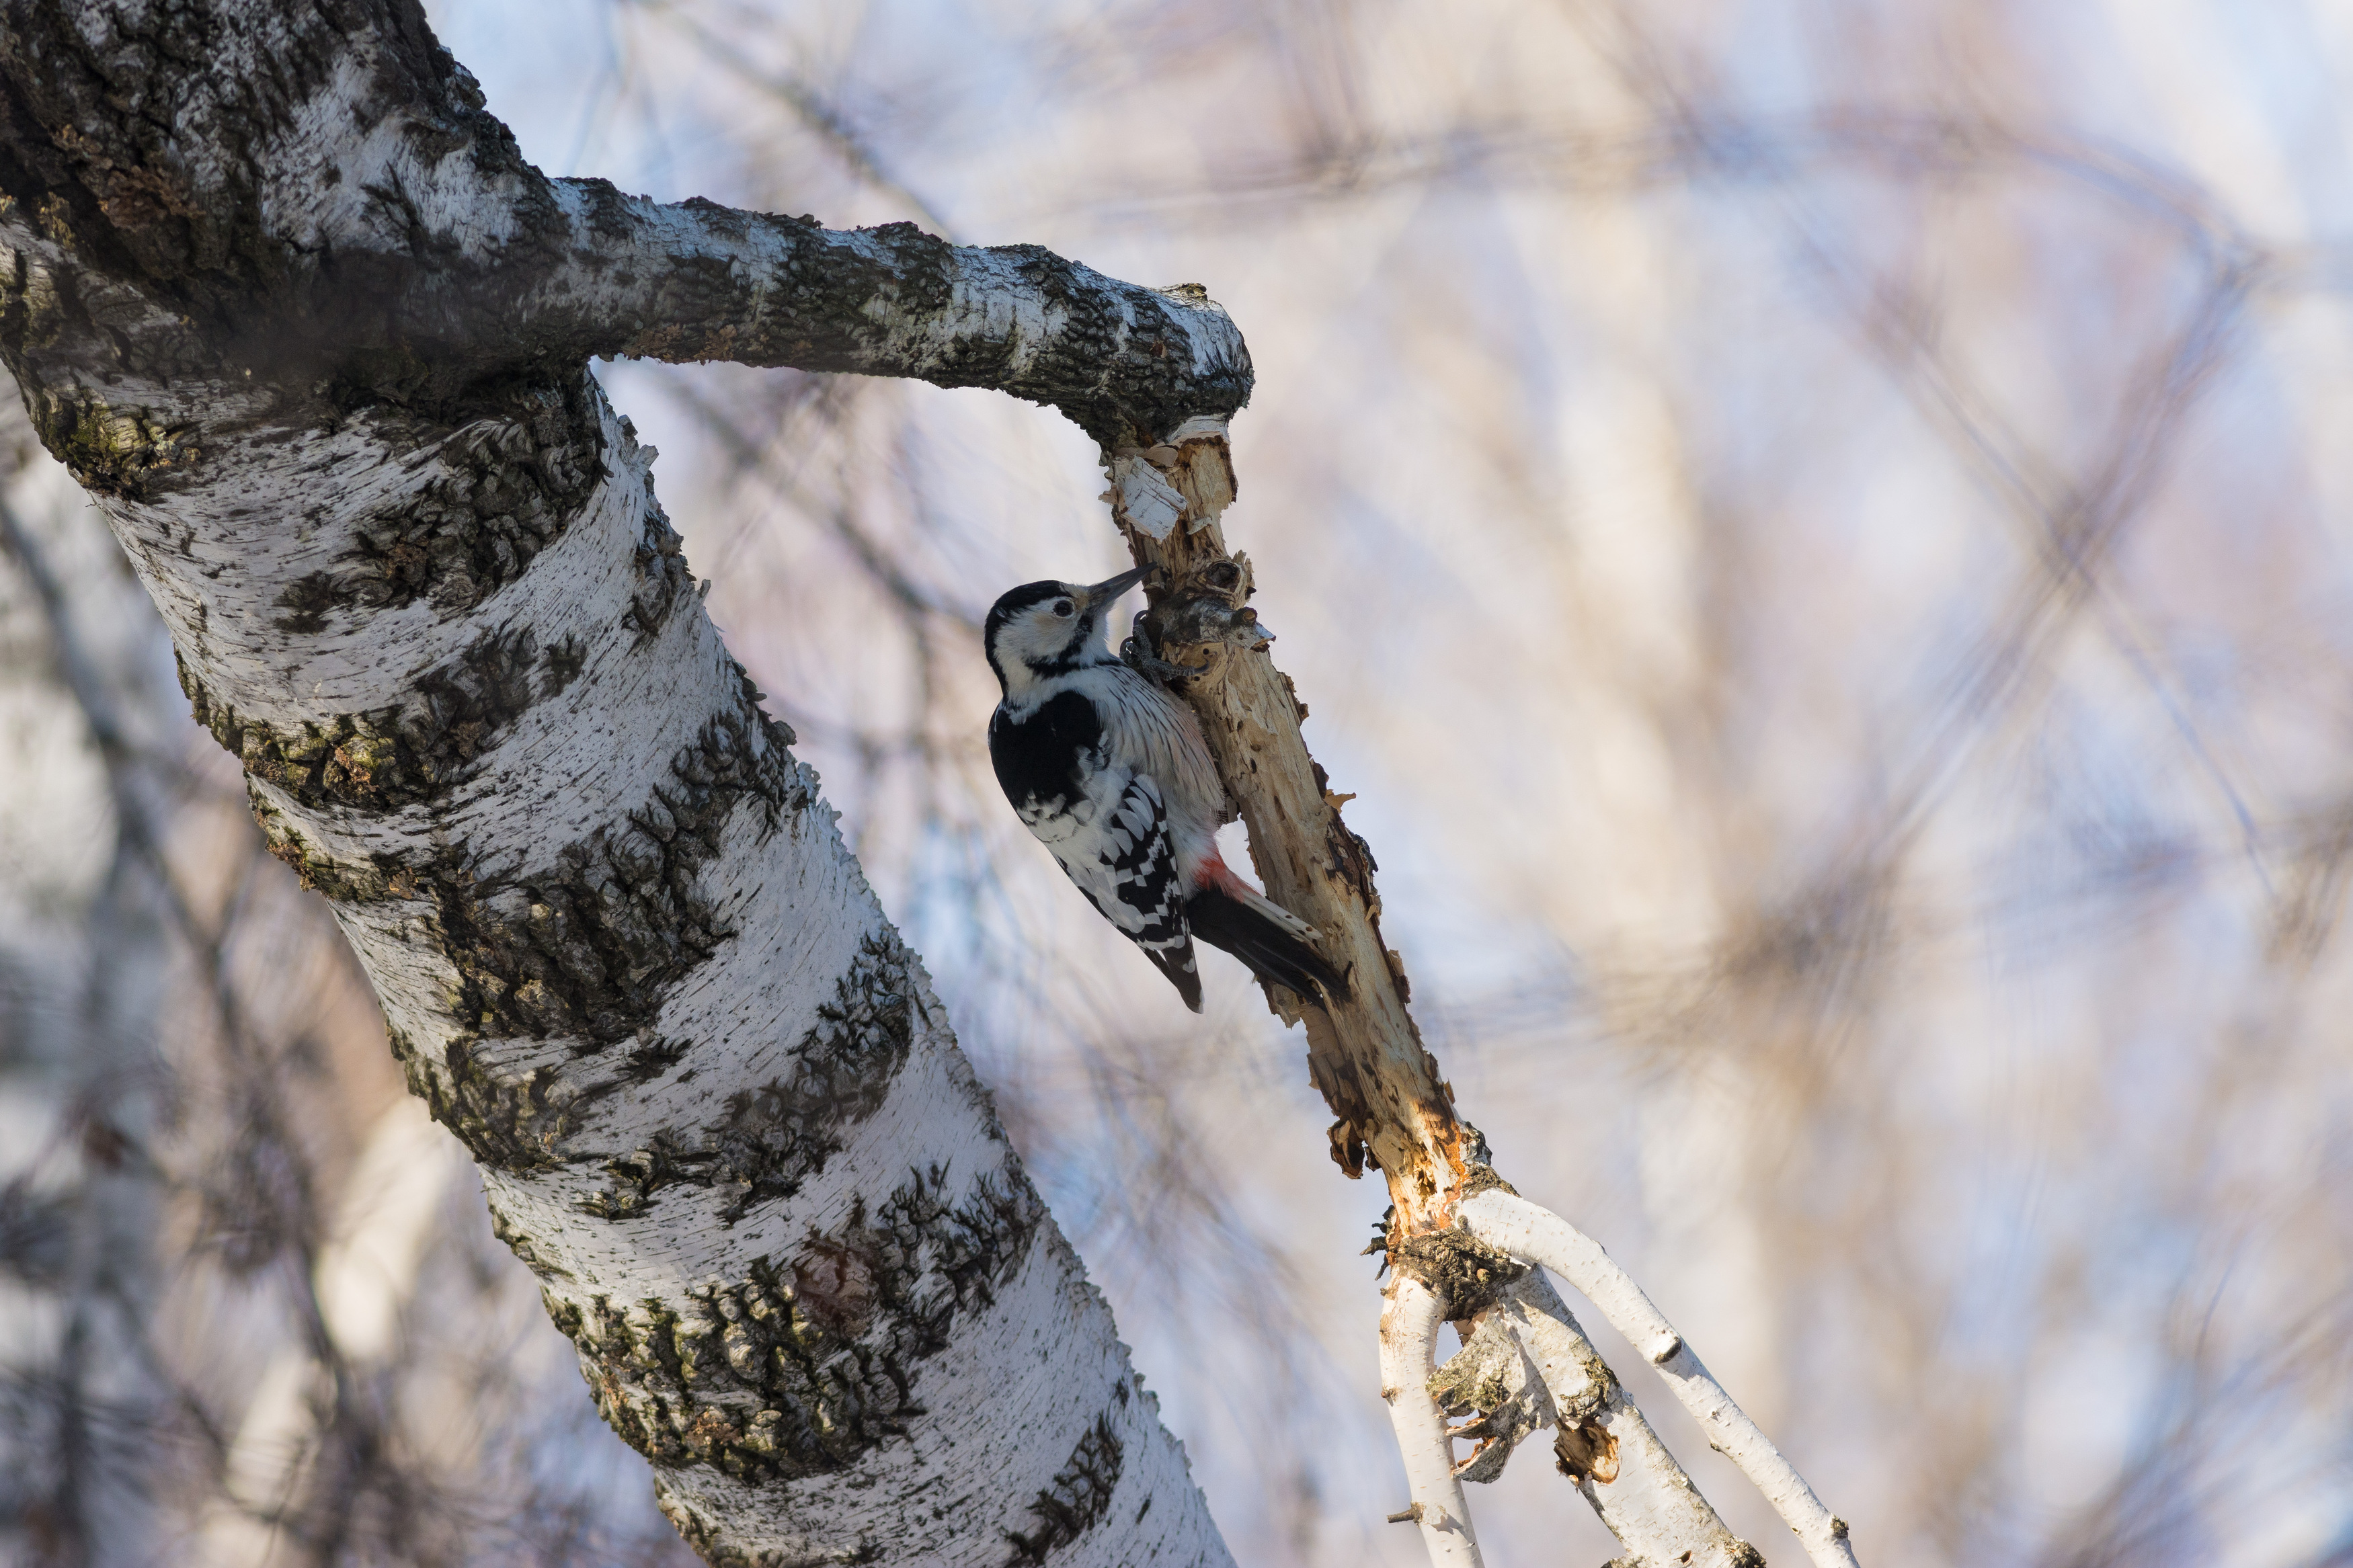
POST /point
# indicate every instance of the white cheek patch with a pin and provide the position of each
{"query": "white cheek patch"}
(1043, 636)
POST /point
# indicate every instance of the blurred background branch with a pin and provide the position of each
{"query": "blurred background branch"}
(1818, 535)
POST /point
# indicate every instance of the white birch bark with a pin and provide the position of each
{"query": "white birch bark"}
(1512, 1225)
(1410, 1322)
(290, 307)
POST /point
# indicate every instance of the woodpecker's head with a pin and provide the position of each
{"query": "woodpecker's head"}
(1042, 629)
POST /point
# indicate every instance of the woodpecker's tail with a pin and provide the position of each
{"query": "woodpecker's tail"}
(1176, 963)
(1267, 937)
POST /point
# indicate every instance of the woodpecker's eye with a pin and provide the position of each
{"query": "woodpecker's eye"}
(1064, 609)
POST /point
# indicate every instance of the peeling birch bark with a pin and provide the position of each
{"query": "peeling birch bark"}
(1364, 1053)
(287, 303)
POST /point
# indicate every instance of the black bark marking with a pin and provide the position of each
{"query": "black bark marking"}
(586, 946)
(306, 602)
(510, 484)
(1078, 1496)
(509, 1123)
(1459, 1269)
(385, 758)
(561, 661)
(808, 1363)
(412, 752)
(774, 1137)
(662, 577)
(341, 881)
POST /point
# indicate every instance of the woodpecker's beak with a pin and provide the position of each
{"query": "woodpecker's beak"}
(1111, 588)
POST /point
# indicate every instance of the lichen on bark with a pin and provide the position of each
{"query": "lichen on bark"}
(504, 486)
(403, 755)
(808, 1360)
(585, 945)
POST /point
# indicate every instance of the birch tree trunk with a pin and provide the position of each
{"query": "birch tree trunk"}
(290, 306)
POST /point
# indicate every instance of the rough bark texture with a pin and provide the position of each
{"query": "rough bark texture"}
(285, 299)
(1364, 1055)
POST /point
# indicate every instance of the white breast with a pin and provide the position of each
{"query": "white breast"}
(1146, 729)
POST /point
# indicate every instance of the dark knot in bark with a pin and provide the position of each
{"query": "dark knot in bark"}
(1459, 1269)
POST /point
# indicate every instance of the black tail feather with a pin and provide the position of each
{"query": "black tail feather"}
(1273, 954)
(1176, 963)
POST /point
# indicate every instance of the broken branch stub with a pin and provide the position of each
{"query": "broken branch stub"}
(1364, 1055)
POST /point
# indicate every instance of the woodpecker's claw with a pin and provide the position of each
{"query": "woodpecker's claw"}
(1159, 668)
(1138, 654)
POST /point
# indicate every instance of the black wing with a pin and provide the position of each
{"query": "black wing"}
(1041, 761)
(1107, 826)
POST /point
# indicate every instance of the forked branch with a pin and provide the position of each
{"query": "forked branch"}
(1512, 1225)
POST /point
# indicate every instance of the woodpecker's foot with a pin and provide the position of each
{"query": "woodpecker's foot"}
(1138, 654)
(1159, 669)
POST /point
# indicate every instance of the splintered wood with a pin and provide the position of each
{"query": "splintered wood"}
(1364, 1055)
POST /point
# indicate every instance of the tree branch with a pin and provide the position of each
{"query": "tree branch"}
(630, 278)
(1409, 1330)
(1363, 1051)
(385, 239)
(1512, 1224)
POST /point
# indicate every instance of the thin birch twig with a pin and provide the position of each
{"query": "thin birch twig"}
(1409, 1330)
